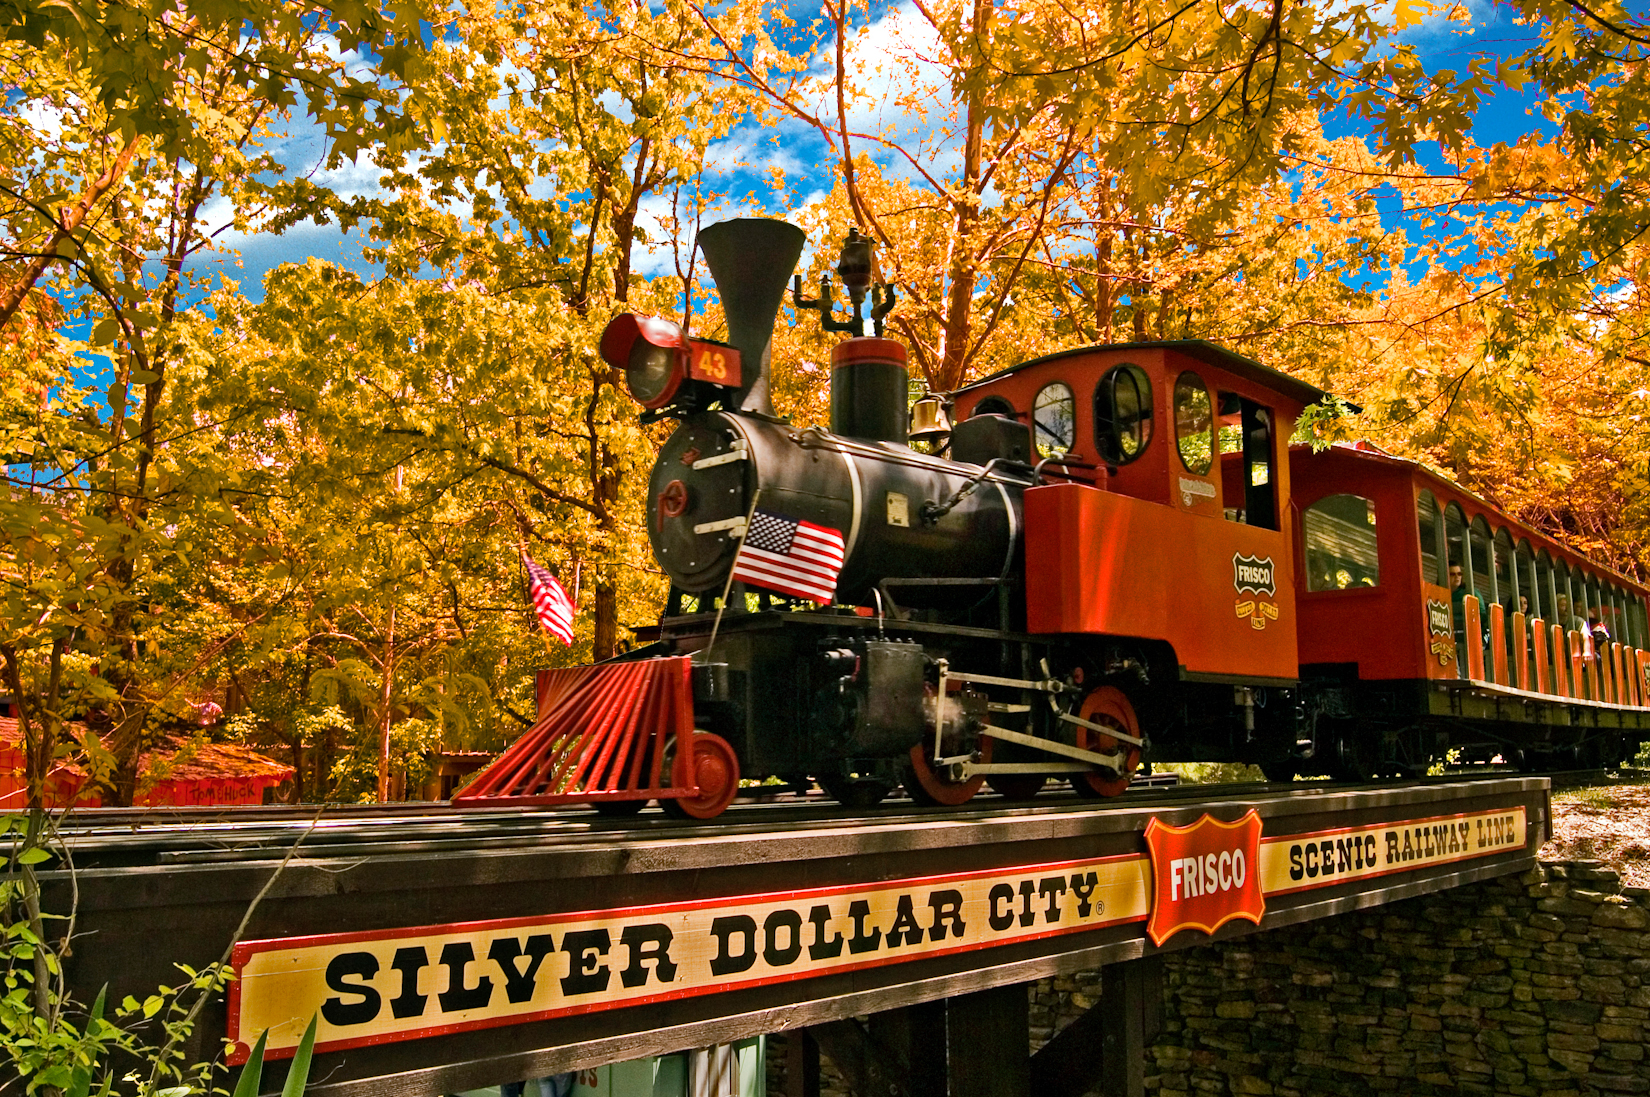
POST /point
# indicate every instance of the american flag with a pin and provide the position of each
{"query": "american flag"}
(790, 556)
(550, 601)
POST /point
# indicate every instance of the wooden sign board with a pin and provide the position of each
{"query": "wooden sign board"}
(393, 985)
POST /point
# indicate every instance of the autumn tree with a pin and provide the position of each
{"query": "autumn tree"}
(122, 131)
(565, 128)
(373, 418)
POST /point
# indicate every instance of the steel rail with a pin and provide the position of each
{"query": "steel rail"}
(136, 837)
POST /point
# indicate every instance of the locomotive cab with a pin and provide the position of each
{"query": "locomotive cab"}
(1167, 544)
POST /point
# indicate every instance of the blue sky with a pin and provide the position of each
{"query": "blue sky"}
(742, 160)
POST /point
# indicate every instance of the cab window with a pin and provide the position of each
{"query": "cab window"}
(1246, 431)
(994, 405)
(1193, 418)
(1054, 419)
(1431, 533)
(1123, 414)
(1340, 543)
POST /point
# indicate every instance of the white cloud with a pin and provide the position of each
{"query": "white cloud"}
(899, 91)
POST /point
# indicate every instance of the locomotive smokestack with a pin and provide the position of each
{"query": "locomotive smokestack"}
(751, 260)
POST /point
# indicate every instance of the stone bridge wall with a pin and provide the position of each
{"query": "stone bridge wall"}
(1536, 984)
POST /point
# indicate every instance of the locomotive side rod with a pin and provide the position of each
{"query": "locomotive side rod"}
(1052, 747)
(1109, 732)
(1049, 686)
(963, 766)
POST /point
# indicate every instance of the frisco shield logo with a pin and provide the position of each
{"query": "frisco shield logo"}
(1441, 628)
(1204, 875)
(1253, 573)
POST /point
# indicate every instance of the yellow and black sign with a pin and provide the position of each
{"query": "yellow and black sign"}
(402, 984)
(1440, 631)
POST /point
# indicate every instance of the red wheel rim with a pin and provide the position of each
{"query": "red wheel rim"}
(1110, 706)
(935, 789)
(715, 770)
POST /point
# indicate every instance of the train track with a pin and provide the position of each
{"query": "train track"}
(137, 837)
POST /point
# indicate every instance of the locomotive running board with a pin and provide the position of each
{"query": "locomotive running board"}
(605, 735)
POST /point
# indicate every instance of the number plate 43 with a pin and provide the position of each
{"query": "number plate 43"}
(717, 363)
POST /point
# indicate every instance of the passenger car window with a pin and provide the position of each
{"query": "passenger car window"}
(1123, 414)
(1528, 590)
(1505, 585)
(1544, 593)
(1340, 543)
(1193, 416)
(1054, 419)
(1482, 568)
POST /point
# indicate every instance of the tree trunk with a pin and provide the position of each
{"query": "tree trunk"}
(605, 643)
(960, 270)
(297, 742)
(384, 707)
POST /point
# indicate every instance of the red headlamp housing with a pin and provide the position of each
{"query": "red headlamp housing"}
(657, 358)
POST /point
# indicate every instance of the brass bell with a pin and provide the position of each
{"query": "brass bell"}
(928, 420)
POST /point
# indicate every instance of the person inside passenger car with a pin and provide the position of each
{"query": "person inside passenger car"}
(1600, 634)
(1570, 622)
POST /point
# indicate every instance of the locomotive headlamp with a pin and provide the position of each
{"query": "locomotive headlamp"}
(657, 358)
(651, 372)
(651, 351)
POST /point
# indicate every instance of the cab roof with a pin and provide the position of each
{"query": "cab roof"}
(1200, 349)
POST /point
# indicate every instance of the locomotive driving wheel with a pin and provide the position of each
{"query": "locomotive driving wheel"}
(1108, 706)
(932, 787)
(713, 767)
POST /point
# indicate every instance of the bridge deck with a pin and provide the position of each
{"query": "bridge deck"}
(448, 950)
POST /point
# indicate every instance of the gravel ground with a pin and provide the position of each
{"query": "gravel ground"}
(1609, 823)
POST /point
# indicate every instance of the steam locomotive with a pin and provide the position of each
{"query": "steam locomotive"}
(1101, 562)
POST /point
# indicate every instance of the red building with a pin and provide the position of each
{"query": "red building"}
(183, 773)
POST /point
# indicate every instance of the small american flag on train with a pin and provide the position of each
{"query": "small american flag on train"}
(791, 556)
(550, 601)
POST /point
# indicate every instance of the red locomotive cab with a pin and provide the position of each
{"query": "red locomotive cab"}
(1178, 528)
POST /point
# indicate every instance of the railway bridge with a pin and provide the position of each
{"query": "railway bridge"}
(441, 950)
